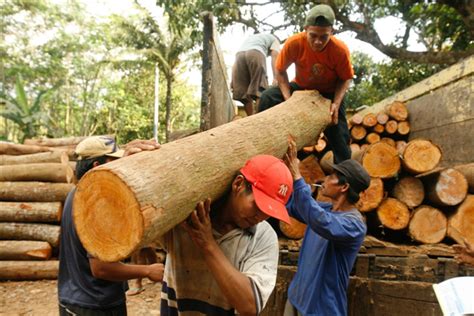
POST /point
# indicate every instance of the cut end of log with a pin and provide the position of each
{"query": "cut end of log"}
(393, 214)
(381, 160)
(421, 156)
(450, 188)
(428, 225)
(108, 218)
(372, 197)
(461, 223)
(409, 190)
(397, 110)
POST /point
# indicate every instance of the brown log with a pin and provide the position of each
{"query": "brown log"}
(354, 147)
(379, 128)
(400, 145)
(447, 187)
(403, 128)
(370, 120)
(326, 162)
(30, 211)
(19, 149)
(356, 119)
(420, 156)
(50, 156)
(468, 171)
(380, 160)
(55, 142)
(34, 191)
(372, 138)
(391, 127)
(24, 250)
(29, 270)
(393, 214)
(410, 191)
(124, 192)
(382, 118)
(397, 111)
(388, 140)
(320, 145)
(45, 172)
(311, 170)
(358, 132)
(294, 230)
(461, 223)
(23, 231)
(364, 147)
(371, 198)
(428, 225)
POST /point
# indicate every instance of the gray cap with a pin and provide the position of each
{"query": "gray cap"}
(356, 175)
(321, 10)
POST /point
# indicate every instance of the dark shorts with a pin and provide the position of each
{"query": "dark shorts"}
(249, 75)
(72, 310)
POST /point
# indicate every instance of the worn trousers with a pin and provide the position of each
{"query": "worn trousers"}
(72, 310)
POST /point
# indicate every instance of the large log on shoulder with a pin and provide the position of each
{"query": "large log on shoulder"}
(460, 224)
(23, 231)
(24, 250)
(34, 191)
(30, 212)
(29, 270)
(45, 172)
(128, 203)
(49, 156)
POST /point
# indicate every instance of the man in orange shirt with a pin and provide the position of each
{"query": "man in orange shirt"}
(322, 63)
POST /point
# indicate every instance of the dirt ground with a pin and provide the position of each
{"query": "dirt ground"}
(41, 298)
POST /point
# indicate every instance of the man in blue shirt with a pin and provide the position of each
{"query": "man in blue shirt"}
(332, 240)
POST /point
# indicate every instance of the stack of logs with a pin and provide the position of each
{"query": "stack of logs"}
(35, 178)
(410, 197)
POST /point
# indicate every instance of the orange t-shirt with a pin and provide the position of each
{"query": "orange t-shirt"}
(316, 70)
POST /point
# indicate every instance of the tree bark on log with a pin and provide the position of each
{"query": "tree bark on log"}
(397, 111)
(34, 191)
(55, 142)
(420, 156)
(428, 225)
(447, 187)
(22, 231)
(468, 171)
(294, 230)
(51, 156)
(29, 270)
(409, 190)
(393, 214)
(145, 195)
(461, 223)
(44, 172)
(380, 160)
(19, 149)
(24, 250)
(30, 212)
(371, 198)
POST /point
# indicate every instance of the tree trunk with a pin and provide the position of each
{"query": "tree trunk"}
(145, 195)
(358, 132)
(420, 156)
(461, 223)
(382, 118)
(371, 198)
(22, 231)
(468, 171)
(446, 188)
(380, 160)
(397, 111)
(294, 230)
(54, 142)
(372, 138)
(30, 211)
(403, 128)
(34, 191)
(393, 214)
(379, 128)
(29, 270)
(24, 250)
(410, 190)
(428, 225)
(51, 156)
(391, 127)
(45, 172)
(370, 120)
(19, 149)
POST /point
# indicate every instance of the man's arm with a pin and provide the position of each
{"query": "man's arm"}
(274, 55)
(341, 88)
(117, 271)
(235, 285)
(283, 83)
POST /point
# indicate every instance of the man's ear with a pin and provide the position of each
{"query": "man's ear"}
(238, 183)
(95, 164)
(345, 187)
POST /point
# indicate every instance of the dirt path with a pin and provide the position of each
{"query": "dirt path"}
(41, 298)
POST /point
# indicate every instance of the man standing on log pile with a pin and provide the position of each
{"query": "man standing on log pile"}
(86, 285)
(332, 239)
(322, 63)
(223, 259)
(249, 73)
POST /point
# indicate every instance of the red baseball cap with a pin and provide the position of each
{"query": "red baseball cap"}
(272, 184)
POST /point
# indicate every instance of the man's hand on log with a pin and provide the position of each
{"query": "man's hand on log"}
(139, 145)
(198, 225)
(291, 159)
(155, 272)
(464, 253)
(334, 111)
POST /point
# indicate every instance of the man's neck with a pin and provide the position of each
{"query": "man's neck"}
(341, 204)
(220, 217)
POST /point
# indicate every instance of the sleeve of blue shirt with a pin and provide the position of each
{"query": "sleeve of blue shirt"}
(331, 226)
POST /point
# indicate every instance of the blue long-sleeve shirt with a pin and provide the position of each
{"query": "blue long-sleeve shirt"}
(330, 246)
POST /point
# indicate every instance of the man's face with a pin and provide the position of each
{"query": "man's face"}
(331, 187)
(246, 212)
(318, 36)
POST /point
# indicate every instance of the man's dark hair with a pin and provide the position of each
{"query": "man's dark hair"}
(322, 21)
(352, 196)
(84, 165)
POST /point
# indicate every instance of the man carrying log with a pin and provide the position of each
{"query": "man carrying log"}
(322, 63)
(86, 285)
(332, 239)
(223, 259)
